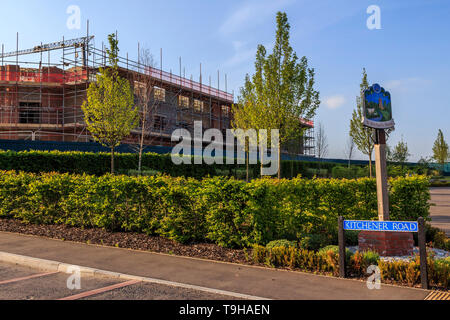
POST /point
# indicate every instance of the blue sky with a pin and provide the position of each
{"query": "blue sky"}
(409, 56)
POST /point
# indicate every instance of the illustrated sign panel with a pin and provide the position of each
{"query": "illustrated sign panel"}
(394, 226)
(377, 108)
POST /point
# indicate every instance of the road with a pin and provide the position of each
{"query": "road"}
(209, 276)
(440, 211)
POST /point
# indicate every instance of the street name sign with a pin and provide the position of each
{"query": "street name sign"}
(393, 226)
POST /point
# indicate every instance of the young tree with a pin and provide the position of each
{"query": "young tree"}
(349, 150)
(282, 89)
(321, 142)
(362, 136)
(144, 87)
(440, 150)
(109, 110)
(400, 154)
(389, 156)
(245, 117)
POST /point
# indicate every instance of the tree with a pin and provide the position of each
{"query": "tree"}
(321, 142)
(389, 155)
(400, 153)
(281, 91)
(144, 87)
(440, 150)
(245, 117)
(349, 150)
(362, 136)
(109, 110)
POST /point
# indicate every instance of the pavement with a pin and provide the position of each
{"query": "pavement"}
(440, 211)
(174, 277)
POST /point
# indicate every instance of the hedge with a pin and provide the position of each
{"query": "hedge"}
(327, 261)
(222, 210)
(99, 163)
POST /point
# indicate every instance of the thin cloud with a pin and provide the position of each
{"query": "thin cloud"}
(251, 12)
(407, 84)
(335, 101)
(241, 54)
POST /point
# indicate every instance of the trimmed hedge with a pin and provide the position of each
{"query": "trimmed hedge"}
(226, 211)
(99, 163)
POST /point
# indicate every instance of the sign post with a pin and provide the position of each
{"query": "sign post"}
(341, 239)
(423, 254)
(381, 227)
(381, 173)
(378, 115)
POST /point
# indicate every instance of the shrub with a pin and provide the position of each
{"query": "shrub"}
(226, 211)
(145, 173)
(327, 261)
(436, 237)
(335, 250)
(371, 257)
(340, 172)
(313, 241)
(351, 237)
(281, 243)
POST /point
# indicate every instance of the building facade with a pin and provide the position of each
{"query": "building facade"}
(41, 100)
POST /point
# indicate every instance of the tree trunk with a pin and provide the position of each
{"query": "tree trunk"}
(112, 160)
(292, 167)
(370, 165)
(247, 160)
(141, 143)
(279, 161)
(141, 149)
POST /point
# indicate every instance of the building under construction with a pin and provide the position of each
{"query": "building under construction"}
(42, 90)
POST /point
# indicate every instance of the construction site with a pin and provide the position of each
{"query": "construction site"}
(43, 88)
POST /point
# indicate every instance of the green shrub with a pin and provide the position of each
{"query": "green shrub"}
(340, 172)
(326, 260)
(351, 237)
(226, 211)
(335, 250)
(281, 243)
(436, 237)
(145, 173)
(314, 241)
(371, 257)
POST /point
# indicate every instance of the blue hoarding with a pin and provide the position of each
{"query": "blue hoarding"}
(394, 226)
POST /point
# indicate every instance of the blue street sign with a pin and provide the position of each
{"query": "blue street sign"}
(394, 226)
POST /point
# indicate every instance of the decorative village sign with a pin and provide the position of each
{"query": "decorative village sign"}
(377, 108)
(388, 238)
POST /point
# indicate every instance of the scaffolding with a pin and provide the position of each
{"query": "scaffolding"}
(41, 97)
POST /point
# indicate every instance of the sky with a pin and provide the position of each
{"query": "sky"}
(409, 55)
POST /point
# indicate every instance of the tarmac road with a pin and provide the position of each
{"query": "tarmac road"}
(440, 211)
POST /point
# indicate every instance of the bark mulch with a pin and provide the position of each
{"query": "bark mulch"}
(130, 240)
